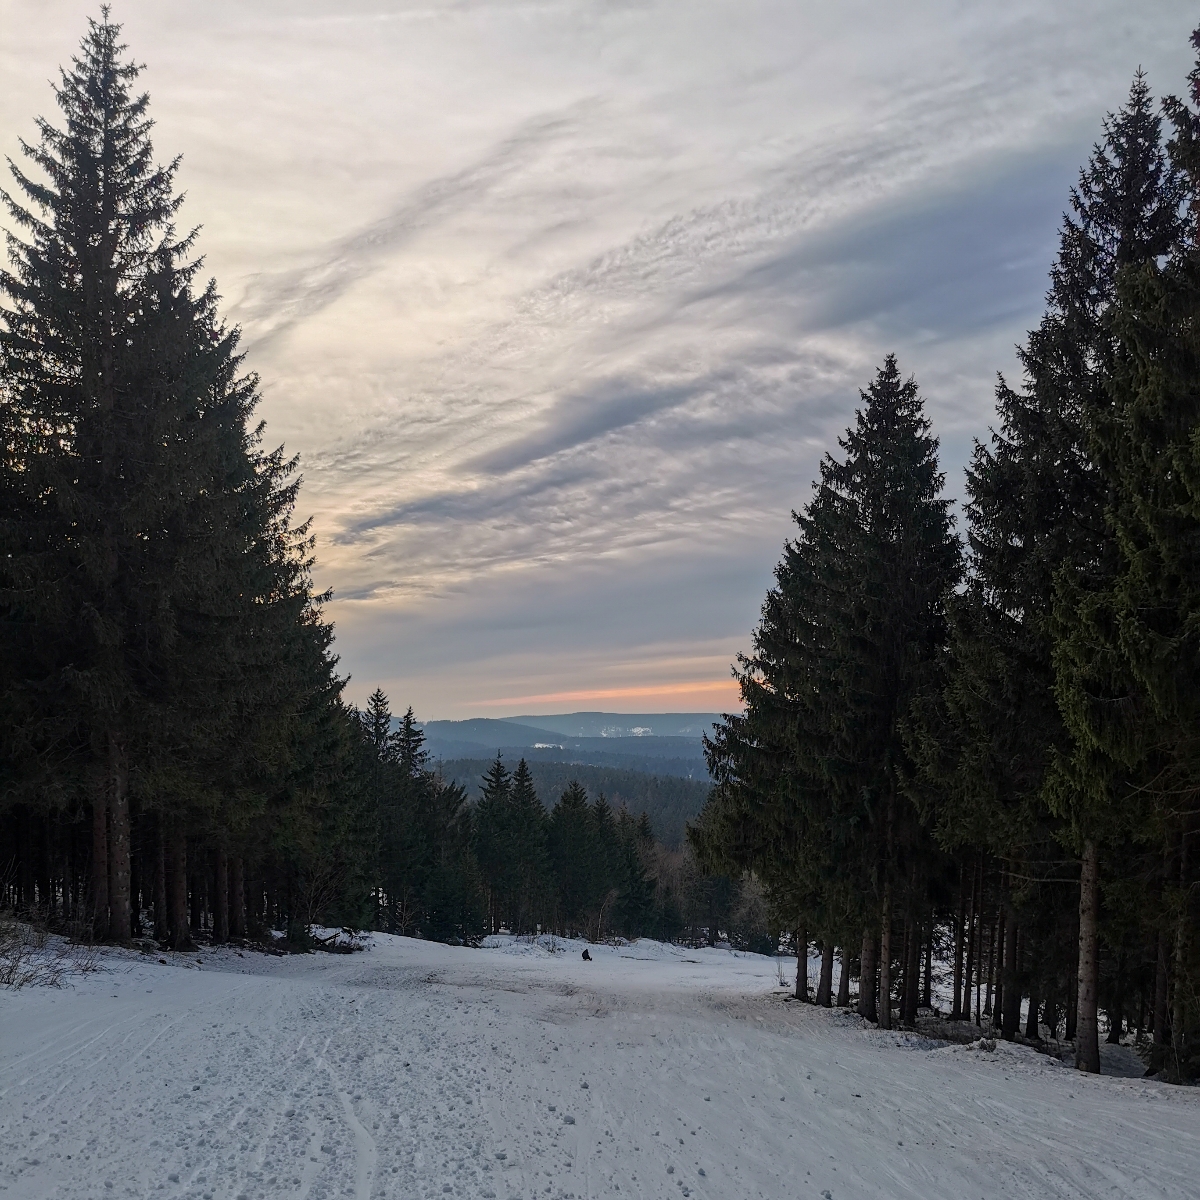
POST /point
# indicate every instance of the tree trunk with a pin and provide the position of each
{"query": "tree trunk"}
(22, 883)
(825, 987)
(1087, 1030)
(181, 938)
(118, 799)
(972, 953)
(137, 871)
(1159, 1015)
(100, 866)
(1031, 1021)
(258, 905)
(162, 924)
(221, 898)
(45, 890)
(912, 975)
(1010, 1020)
(195, 894)
(885, 959)
(1179, 1022)
(866, 978)
(885, 933)
(959, 922)
(801, 937)
(927, 986)
(991, 970)
(1072, 1012)
(1116, 1010)
(843, 992)
(998, 976)
(1162, 1034)
(237, 898)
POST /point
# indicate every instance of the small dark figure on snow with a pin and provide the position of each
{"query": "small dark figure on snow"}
(586, 956)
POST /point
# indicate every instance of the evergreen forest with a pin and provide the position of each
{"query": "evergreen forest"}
(984, 748)
(972, 743)
(177, 759)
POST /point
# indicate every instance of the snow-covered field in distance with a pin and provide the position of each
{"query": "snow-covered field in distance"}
(422, 1070)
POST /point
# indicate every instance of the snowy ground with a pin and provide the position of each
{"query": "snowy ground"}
(420, 1070)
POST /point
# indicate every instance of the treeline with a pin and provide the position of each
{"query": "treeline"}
(995, 747)
(668, 800)
(176, 757)
(456, 871)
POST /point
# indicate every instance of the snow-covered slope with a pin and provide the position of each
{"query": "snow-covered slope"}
(420, 1070)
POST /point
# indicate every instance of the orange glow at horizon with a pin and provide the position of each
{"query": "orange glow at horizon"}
(714, 687)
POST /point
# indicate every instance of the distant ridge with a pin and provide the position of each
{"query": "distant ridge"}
(653, 743)
(601, 724)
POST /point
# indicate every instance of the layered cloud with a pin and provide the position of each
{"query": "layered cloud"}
(562, 302)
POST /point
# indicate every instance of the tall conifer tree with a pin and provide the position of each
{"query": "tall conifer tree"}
(572, 851)
(811, 781)
(1129, 651)
(170, 636)
(532, 863)
(1035, 508)
(93, 294)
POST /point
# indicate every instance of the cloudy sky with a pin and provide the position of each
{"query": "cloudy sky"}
(561, 301)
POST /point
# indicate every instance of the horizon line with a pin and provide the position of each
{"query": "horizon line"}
(678, 689)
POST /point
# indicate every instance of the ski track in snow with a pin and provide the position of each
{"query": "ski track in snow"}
(420, 1070)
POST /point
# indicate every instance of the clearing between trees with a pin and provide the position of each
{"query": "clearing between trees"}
(423, 1070)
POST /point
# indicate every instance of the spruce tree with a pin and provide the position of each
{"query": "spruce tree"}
(1129, 649)
(494, 841)
(771, 806)
(572, 853)
(1126, 214)
(174, 656)
(606, 864)
(408, 830)
(905, 560)
(377, 724)
(408, 745)
(634, 909)
(531, 863)
(164, 657)
(1035, 511)
(96, 228)
(115, 427)
(813, 780)
(453, 893)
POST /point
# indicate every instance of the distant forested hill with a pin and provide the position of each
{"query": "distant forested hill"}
(670, 801)
(481, 737)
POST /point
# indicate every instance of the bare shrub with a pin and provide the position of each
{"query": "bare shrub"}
(31, 957)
